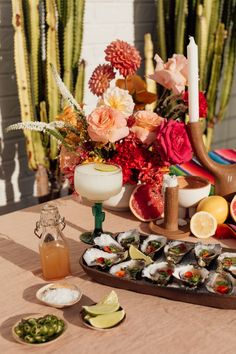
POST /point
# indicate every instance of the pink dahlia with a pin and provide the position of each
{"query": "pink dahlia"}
(100, 79)
(123, 57)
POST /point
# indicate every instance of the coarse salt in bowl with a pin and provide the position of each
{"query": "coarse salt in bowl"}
(59, 295)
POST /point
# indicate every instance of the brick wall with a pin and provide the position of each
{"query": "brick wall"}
(105, 20)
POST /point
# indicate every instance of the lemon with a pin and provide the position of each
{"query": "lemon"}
(215, 205)
(105, 167)
(203, 224)
(101, 309)
(136, 254)
(111, 298)
(107, 320)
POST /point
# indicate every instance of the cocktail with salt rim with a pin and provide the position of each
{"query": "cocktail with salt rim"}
(97, 182)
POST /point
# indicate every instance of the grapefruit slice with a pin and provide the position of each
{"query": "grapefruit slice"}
(233, 208)
(203, 224)
(146, 202)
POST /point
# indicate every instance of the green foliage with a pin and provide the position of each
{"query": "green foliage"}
(47, 32)
(212, 24)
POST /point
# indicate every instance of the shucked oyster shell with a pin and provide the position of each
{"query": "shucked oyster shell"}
(220, 283)
(206, 253)
(159, 272)
(131, 237)
(152, 244)
(176, 250)
(129, 269)
(227, 262)
(108, 244)
(190, 275)
(97, 257)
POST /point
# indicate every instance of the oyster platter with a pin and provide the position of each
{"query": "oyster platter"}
(197, 273)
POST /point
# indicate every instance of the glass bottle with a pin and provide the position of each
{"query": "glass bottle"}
(53, 248)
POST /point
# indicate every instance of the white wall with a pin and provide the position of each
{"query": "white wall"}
(105, 20)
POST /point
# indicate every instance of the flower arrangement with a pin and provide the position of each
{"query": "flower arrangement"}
(119, 130)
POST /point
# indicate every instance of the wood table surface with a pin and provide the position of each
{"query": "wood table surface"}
(152, 325)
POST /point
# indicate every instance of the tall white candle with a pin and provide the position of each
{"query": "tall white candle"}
(193, 95)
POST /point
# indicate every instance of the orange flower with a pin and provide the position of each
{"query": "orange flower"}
(100, 79)
(69, 116)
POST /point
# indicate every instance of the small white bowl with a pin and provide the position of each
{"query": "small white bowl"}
(61, 285)
(192, 189)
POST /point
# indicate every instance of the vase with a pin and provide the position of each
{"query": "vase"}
(120, 201)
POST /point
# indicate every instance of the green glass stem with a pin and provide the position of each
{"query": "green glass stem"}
(99, 218)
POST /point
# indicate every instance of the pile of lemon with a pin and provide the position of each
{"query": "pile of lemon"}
(211, 211)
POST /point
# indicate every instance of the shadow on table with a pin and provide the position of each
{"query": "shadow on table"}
(6, 326)
(72, 314)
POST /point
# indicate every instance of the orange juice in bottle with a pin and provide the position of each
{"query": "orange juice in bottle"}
(53, 248)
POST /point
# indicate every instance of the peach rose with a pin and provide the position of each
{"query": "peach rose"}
(145, 124)
(173, 75)
(106, 124)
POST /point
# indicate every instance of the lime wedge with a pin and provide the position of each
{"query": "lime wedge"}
(136, 254)
(105, 167)
(101, 309)
(111, 298)
(107, 320)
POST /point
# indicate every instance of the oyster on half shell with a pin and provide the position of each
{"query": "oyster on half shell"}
(131, 237)
(108, 244)
(128, 270)
(227, 262)
(96, 257)
(206, 253)
(159, 272)
(220, 283)
(176, 250)
(190, 275)
(152, 244)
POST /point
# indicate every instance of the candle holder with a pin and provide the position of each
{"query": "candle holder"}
(224, 175)
(169, 225)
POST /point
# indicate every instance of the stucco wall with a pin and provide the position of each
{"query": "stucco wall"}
(105, 21)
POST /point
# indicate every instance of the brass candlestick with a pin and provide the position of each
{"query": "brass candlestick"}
(224, 175)
(169, 225)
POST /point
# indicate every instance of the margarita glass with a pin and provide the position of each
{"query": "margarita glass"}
(97, 182)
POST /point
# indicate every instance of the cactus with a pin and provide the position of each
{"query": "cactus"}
(212, 23)
(149, 68)
(47, 32)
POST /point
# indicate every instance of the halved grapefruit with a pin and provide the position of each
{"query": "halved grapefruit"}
(233, 208)
(146, 202)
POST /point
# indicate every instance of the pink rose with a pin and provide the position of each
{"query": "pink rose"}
(106, 124)
(173, 143)
(173, 75)
(145, 125)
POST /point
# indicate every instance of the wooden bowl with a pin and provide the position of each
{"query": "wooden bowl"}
(60, 285)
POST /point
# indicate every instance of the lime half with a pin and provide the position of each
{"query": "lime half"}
(105, 167)
(136, 254)
(107, 320)
(101, 309)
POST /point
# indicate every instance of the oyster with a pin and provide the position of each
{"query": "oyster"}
(97, 257)
(190, 275)
(206, 253)
(220, 283)
(152, 244)
(176, 250)
(227, 262)
(159, 272)
(108, 244)
(131, 237)
(128, 270)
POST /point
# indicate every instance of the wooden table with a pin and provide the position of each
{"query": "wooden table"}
(153, 325)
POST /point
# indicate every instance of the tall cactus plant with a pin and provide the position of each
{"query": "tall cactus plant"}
(213, 24)
(47, 32)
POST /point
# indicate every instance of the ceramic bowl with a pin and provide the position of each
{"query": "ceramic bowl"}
(192, 189)
(61, 285)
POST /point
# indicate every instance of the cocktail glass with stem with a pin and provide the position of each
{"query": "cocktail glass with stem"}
(97, 182)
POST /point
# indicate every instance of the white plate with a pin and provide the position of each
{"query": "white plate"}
(61, 285)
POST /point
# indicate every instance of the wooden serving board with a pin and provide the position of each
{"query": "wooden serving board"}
(199, 296)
